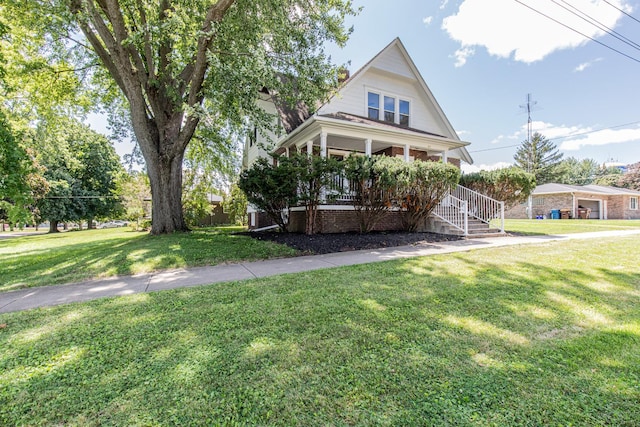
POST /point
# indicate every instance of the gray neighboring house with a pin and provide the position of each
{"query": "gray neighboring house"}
(599, 201)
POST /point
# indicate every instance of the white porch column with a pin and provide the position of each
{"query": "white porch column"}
(310, 148)
(445, 157)
(323, 144)
(406, 152)
(367, 147)
(286, 150)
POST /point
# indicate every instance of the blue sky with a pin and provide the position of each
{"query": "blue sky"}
(481, 58)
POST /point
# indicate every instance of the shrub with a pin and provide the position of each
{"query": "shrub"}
(314, 174)
(373, 181)
(271, 188)
(511, 185)
(421, 187)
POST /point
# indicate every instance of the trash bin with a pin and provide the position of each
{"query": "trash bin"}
(555, 213)
(565, 213)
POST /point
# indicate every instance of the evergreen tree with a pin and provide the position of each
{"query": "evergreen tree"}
(539, 157)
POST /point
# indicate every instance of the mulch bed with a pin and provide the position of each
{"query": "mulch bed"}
(342, 242)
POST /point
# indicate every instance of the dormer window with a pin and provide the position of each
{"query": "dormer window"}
(392, 110)
(373, 103)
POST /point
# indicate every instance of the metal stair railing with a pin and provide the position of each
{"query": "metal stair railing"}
(453, 211)
(479, 206)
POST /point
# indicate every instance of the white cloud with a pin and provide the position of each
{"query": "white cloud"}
(487, 167)
(572, 138)
(586, 65)
(602, 137)
(461, 55)
(427, 21)
(506, 28)
(444, 4)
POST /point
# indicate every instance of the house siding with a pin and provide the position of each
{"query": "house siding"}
(391, 75)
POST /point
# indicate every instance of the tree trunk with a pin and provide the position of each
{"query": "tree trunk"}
(53, 226)
(165, 177)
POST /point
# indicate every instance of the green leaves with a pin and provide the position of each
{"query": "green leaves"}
(510, 185)
(539, 157)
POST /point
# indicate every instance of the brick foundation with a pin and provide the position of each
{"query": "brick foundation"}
(342, 221)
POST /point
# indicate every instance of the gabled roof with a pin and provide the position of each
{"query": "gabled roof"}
(398, 44)
(554, 188)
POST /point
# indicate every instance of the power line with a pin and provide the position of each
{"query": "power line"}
(560, 137)
(616, 7)
(578, 32)
(591, 20)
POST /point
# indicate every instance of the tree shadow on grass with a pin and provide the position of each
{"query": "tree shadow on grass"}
(140, 253)
(457, 340)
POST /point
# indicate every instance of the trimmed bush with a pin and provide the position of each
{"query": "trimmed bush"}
(373, 182)
(271, 188)
(510, 185)
(421, 187)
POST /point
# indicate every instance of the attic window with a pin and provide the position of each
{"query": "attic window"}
(373, 102)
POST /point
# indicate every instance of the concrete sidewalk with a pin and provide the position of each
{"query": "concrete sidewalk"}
(126, 285)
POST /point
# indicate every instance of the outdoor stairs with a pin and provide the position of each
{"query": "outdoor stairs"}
(467, 213)
(476, 228)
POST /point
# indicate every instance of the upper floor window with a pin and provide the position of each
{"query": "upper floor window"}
(404, 113)
(390, 108)
(373, 102)
(633, 203)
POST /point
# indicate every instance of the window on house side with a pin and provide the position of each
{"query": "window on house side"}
(389, 109)
(633, 203)
(404, 112)
(538, 201)
(373, 102)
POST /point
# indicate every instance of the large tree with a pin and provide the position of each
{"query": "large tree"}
(81, 169)
(540, 157)
(168, 56)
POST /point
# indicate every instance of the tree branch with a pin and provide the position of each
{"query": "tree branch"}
(215, 14)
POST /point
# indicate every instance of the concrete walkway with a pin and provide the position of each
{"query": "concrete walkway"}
(126, 285)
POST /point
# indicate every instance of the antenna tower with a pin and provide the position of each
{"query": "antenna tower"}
(529, 107)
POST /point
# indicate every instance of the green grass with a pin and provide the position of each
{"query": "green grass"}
(533, 335)
(564, 226)
(47, 259)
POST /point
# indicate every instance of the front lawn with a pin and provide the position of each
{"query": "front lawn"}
(565, 226)
(532, 335)
(46, 259)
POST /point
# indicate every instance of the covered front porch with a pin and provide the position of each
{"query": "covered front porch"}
(340, 135)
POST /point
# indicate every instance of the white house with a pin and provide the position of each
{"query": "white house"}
(385, 108)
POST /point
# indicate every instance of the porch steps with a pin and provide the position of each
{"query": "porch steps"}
(476, 228)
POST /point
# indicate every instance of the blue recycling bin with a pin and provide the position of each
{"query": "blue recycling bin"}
(555, 213)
